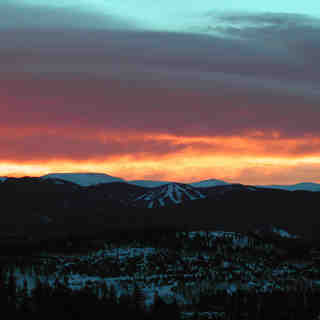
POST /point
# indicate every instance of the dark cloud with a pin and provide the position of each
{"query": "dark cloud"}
(261, 74)
(106, 52)
(297, 33)
(144, 106)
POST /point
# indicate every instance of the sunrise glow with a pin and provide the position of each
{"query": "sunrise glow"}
(161, 90)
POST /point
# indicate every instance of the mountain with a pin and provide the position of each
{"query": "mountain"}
(2, 179)
(43, 206)
(83, 179)
(148, 183)
(89, 179)
(306, 186)
(117, 191)
(217, 192)
(172, 193)
(238, 208)
(199, 184)
(35, 205)
(208, 183)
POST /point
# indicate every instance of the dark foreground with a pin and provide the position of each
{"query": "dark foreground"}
(61, 302)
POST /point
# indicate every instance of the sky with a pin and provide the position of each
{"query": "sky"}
(161, 90)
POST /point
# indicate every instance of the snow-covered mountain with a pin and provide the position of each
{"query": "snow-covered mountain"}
(172, 193)
(91, 179)
(307, 186)
(200, 184)
(148, 183)
(84, 179)
(208, 183)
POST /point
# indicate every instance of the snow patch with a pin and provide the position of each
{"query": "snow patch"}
(168, 194)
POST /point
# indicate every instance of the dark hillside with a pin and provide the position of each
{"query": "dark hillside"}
(240, 210)
(39, 208)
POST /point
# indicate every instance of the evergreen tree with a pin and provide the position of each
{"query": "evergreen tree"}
(12, 289)
(38, 296)
(113, 295)
(158, 310)
(174, 311)
(25, 299)
(162, 310)
(138, 298)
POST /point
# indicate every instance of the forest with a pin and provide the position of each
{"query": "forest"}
(157, 273)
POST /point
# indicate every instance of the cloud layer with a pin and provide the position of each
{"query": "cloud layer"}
(78, 86)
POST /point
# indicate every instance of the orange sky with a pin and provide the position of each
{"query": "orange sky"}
(255, 159)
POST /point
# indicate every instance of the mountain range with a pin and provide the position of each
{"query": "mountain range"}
(90, 179)
(91, 203)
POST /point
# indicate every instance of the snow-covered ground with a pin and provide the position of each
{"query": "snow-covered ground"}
(175, 275)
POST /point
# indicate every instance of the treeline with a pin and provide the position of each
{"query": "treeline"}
(59, 300)
(157, 237)
(84, 241)
(53, 302)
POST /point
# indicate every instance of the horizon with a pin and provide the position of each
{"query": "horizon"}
(161, 90)
(159, 180)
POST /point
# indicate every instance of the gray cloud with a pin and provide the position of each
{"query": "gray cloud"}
(296, 32)
(265, 79)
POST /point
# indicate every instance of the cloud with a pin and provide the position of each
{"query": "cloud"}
(126, 104)
(23, 15)
(252, 77)
(277, 20)
(295, 33)
(80, 144)
(278, 175)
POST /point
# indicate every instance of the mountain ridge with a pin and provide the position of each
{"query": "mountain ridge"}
(90, 179)
(308, 186)
(43, 206)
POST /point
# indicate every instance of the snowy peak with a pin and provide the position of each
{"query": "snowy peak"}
(209, 183)
(172, 193)
(84, 179)
(200, 184)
